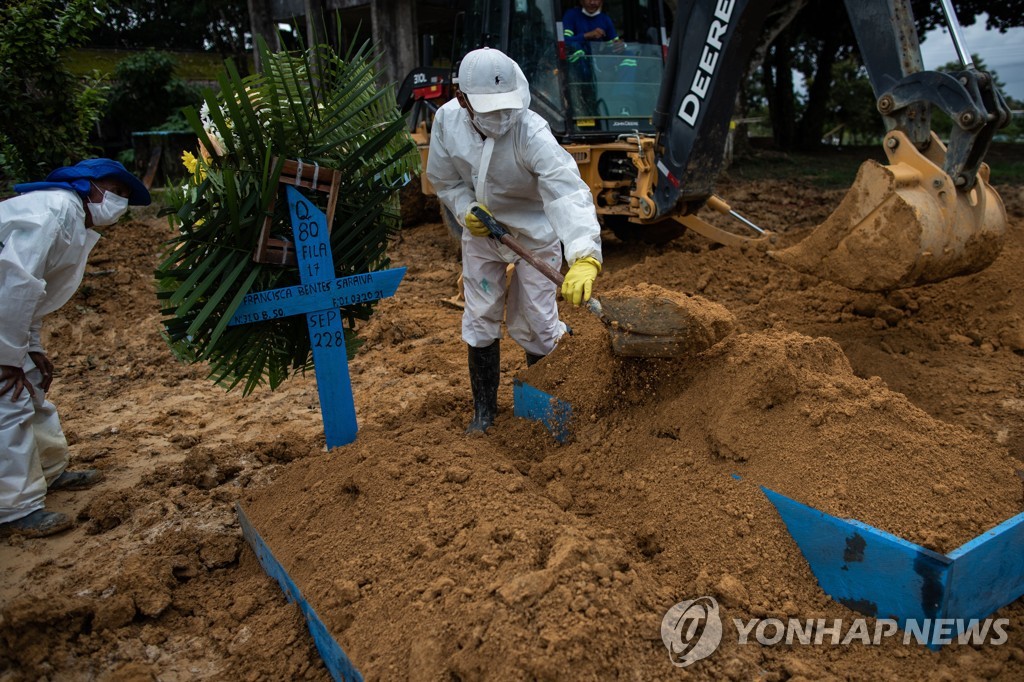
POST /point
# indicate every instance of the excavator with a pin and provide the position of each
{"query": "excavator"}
(647, 119)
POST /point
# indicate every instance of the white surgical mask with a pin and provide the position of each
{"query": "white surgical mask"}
(107, 211)
(495, 123)
(591, 14)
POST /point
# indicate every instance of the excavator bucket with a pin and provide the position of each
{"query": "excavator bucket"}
(904, 224)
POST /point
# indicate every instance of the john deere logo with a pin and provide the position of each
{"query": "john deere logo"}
(691, 630)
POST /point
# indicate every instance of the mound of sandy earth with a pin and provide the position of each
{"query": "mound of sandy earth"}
(431, 555)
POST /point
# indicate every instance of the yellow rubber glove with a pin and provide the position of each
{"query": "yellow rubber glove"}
(580, 280)
(473, 224)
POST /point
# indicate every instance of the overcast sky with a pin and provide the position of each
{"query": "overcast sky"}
(1002, 52)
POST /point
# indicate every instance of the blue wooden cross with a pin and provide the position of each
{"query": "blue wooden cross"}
(320, 296)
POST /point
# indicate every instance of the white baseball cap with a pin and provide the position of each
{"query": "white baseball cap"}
(489, 79)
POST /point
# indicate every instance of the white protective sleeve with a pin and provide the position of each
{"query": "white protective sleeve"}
(45, 248)
(443, 167)
(26, 238)
(568, 203)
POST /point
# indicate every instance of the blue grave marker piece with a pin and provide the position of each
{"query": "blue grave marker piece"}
(867, 569)
(337, 662)
(319, 297)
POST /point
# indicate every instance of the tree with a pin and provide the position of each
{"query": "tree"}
(817, 40)
(852, 104)
(215, 25)
(144, 95)
(1000, 14)
(46, 113)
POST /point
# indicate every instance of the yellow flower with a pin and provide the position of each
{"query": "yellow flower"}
(188, 160)
(193, 165)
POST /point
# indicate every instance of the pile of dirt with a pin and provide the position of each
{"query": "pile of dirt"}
(519, 559)
(432, 555)
(786, 411)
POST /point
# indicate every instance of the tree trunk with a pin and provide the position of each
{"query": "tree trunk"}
(261, 23)
(812, 122)
(315, 23)
(778, 21)
(778, 85)
(394, 32)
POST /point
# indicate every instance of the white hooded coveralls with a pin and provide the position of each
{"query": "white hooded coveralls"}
(533, 187)
(45, 249)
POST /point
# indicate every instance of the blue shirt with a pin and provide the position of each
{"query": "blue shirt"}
(575, 23)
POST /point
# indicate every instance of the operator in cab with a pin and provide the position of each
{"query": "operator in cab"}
(588, 31)
(488, 150)
(584, 23)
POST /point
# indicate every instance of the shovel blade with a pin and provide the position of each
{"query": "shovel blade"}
(647, 321)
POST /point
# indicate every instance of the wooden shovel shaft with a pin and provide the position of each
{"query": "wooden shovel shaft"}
(499, 232)
(545, 269)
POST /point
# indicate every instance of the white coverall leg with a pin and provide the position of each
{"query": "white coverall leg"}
(532, 315)
(33, 450)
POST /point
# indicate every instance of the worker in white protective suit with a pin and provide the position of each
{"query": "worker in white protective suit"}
(44, 243)
(488, 150)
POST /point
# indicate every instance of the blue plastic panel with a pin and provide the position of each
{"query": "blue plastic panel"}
(881, 575)
(866, 569)
(334, 658)
(988, 571)
(532, 403)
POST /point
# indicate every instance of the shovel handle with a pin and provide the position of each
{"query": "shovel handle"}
(499, 232)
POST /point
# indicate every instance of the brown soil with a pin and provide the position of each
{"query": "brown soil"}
(431, 555)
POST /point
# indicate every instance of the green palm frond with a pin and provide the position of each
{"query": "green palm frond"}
(313, 106)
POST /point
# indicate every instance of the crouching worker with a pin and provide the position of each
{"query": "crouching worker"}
(44, 243)
(488, 150)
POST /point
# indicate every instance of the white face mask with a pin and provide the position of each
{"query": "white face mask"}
(592, 14)
(495, 123)
(109, 210)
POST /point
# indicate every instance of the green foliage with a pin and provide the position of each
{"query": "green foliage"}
(146, 94)
(999, 15)
(313, 106)
(216, 25)
(46, 113)
(852, 111)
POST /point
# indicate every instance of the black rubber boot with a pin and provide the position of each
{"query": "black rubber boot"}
(484, 375)
(532, 359)
(38, 524)
(77, 480)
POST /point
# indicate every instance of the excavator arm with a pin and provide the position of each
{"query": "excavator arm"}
(928, 215)
(708, 54)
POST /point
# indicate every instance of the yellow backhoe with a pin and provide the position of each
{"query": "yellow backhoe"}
(647, 119)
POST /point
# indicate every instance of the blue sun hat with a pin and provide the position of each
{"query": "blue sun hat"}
(77, 178)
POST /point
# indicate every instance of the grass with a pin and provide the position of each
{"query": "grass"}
(836, 167)
(189, 66)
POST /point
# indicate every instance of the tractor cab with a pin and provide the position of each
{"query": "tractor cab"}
(585, 89)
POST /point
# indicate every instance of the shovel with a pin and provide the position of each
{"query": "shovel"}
(658, 324)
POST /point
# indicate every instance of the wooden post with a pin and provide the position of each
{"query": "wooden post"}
(394, 31)
(261, 23)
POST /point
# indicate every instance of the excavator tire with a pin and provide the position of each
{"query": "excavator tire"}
(903, 225)
(655, 233)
